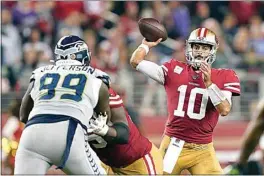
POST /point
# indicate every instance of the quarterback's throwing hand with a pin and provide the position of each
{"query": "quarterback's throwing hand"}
(98, 125)
(151, 44)
(206, 70)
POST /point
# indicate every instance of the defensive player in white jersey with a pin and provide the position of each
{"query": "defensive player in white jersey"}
(58, 104)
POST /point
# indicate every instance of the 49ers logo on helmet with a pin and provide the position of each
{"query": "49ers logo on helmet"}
(200, 38)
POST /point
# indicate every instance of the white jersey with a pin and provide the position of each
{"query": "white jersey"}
(65, 90)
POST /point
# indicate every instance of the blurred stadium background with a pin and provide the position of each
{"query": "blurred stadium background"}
(30, 29)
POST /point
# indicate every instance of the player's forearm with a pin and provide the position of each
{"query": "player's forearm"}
(23, 115)
(152, 70)
(111, 134)
(251, 140)
(118, 133)
(220, 99)
(223, 108)
(26, 105)
(103, 102)
(137, 56)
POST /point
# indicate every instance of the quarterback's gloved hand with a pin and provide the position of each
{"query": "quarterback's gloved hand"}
(103, 76)
(98, 125)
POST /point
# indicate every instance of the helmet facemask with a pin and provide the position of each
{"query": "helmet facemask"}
(72, 53)
(201, 37)
(192, 58)
(83, 57)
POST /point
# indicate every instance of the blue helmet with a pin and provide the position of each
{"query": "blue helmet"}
(72, 50)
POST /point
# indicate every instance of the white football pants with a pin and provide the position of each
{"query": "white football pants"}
(42, 145)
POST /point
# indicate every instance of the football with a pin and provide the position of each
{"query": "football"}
(152, 29)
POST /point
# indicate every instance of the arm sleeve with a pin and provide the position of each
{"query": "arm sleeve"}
(232, 83)
(122, 132)
(228, 96)
(152, 70)
(115, 101)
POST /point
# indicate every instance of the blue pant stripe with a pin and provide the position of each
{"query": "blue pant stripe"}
(54, 118)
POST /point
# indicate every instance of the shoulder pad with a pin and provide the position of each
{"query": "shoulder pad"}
(103, 76)
(36, 71)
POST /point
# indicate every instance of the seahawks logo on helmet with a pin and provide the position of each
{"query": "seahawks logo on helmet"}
(72, 50)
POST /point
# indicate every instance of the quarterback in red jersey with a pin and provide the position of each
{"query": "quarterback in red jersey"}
(196, 95)
(136, 155)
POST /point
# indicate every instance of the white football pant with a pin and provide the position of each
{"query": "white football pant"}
(42, 145)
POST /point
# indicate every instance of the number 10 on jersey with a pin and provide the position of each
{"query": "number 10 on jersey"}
(191, 102)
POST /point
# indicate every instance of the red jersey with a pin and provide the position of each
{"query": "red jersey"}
(124, 154)
(192, 116)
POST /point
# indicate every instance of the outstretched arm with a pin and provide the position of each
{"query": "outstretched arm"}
(250, 141)
(150, 69)
(252, 135)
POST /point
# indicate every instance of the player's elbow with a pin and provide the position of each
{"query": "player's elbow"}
(136, 58)
(22, 115)
(23, 119)
(225, 111)
(133, 62)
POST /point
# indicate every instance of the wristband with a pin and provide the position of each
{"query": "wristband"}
(215, 94)
(145, 47)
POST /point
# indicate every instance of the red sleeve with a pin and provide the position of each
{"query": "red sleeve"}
(115, 100)
(232, 83)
